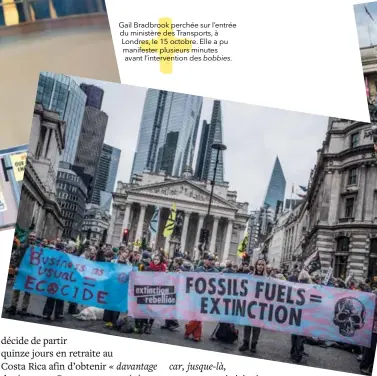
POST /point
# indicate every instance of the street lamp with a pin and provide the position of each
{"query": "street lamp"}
(219, 147)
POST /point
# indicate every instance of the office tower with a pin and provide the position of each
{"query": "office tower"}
(71, 194)
(105, 177)
(202, 150)
(94, 95)
(276, 187)
(168, 131)
(89, 148)
(61, 94)
(211, 134)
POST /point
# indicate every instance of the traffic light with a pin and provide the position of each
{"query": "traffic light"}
(204, 236)
(126, 233)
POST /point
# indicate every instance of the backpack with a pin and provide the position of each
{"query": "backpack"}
(126, 324)
(227, 333)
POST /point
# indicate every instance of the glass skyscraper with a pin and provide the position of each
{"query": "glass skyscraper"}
(106, 176)
(61, 94)
(276, 187)
(94, 95)
(211, 134)
(168, 131)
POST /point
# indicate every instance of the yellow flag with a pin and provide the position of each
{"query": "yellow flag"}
(18, 164)
(78, 241)
(242, 247)
(169, 226)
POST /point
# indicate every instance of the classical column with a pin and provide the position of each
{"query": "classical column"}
(197, 237)
(228, 239)
(126, 219)
(215, 226)
(336, 186)
(360, 195)
(184, 230)
(139, 231)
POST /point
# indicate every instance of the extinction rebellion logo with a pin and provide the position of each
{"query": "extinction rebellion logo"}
(160, 295)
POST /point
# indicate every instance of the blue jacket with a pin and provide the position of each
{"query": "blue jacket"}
(203, 269)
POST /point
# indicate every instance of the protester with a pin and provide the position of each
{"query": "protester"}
(15, 262)
(259, 271)
(297, 341)
(194, 328)
(53, 305)
(111, 317)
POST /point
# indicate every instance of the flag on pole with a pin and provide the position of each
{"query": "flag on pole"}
(303, 188)
(242, 247)
(368, 13)
(313, 262)
(153, 225)
(169, 226)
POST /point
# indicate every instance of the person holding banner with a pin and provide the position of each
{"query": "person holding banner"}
(52, 304)
(111, 317)
(193, 327)
(297, 342)
(259, 270)
(157, 265)
(15, 262)
(366, 364)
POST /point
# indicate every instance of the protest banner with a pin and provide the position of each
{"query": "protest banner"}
(18, 164)
(303, 309)
(63, 276)
(328, 276)
(3, 205)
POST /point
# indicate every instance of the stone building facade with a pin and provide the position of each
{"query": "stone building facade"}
(134, 205)
(39, 209)
(71, 195)
(95, 225)
(341, 202)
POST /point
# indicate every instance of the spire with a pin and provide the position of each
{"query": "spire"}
(276, 186)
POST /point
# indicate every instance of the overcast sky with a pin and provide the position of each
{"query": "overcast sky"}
(253, 135)
(366, 27)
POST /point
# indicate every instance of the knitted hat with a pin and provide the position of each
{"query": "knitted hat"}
(146, 255)
(115, 250)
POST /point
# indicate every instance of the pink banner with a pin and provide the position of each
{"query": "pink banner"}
(309, 310)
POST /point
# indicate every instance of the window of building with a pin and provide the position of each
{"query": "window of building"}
(349, 207)
(352, 176)
(343, 244)
(340, 267)
(355, 138)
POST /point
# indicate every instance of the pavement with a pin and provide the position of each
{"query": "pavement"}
(273, 346)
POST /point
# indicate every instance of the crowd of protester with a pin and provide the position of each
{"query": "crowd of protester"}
(144, 260)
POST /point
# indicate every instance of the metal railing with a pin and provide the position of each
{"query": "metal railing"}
(13, 12)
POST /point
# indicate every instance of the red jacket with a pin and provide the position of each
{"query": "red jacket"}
(161, 267)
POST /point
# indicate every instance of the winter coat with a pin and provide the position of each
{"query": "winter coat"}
(203, 269)
(186, 267)
(161, 267)
(228, 270)
(17, 255)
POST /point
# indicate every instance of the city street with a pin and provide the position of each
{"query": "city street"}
(272, 346)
